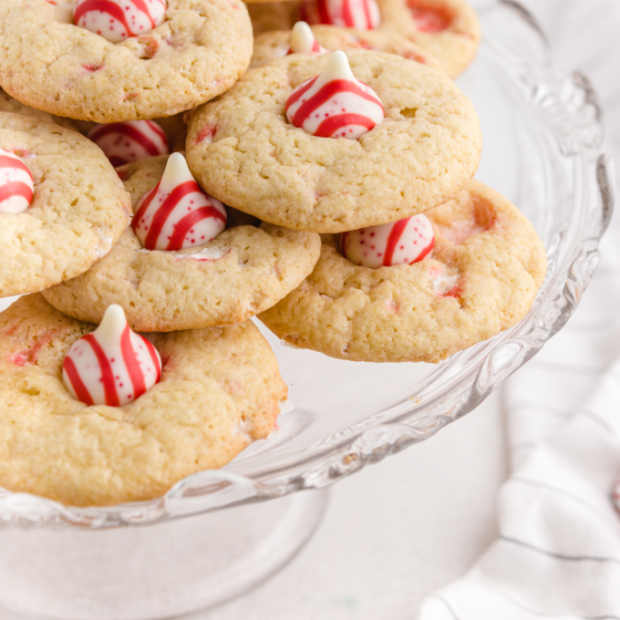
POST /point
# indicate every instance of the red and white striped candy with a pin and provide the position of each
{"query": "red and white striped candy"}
(303, 41)
(361, 14)
(176, 213)
(16, 184)
(112, 365)
(398, 243)
(335, 104)
(117, 20)
(130, 141)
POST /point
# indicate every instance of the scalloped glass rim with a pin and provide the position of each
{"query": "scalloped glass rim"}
(568, 110)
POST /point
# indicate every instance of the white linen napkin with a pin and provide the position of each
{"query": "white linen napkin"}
(558, 552)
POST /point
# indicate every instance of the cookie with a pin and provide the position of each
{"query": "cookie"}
(8, 104)
(49, 63)
(245, 270)
(276, 44)
(78, 212)
(112, 365)
(220, 389)
(243, 150)
(448, 29)
(487, 265)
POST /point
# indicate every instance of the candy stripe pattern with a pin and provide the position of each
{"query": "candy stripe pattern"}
(16, 184)
(404, 242)
(123, 143)
(361, 14)
(335, 104)
(117, 20)
(176, 213)
(303, 41)
(111, 366)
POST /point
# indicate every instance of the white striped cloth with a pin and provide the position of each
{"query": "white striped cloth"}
(558, 552)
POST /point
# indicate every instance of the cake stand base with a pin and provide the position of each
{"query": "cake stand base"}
(161, 571)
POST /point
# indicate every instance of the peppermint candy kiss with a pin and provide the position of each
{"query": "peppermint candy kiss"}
(399, 243)
(176, 213)
(130, 141)
(117, 20)
(303, 41)
(361, 14)
(16, 184)
(335, 104)
(112, 365)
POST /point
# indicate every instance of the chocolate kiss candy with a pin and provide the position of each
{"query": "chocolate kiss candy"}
(117, 20)
(177, 213)
(335, 104)
(16, 184)
(398, 243)
(123, 143)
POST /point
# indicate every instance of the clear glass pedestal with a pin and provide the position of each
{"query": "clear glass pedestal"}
(158, 571)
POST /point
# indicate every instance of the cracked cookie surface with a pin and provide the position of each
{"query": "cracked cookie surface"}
(243, 151)
(51, 64)
(482, 277)
(220, 389)
(79, 209)
(242, 272)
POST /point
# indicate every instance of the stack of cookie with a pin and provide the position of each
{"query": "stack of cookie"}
(151, 184)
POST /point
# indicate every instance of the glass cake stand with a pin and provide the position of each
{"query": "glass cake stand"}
(143, 561)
